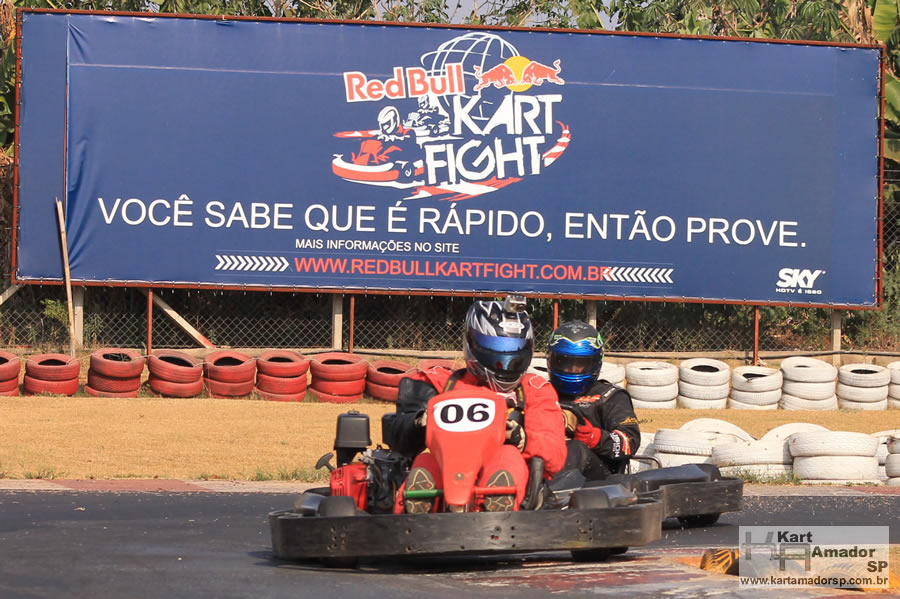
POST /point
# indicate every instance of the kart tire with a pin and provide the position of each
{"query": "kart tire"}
(228, 366)
(387, 373)
(10, 365)
(350, 387)
(808, 370)
(864, 375)
(786, 430)
(175, 367)
(52, 367)
(651, 374)
(715, 425)
(283, 385)
(592, 555)
(739, 405)
(756, 379)
(168, 388)
(221, 390)
(9, 388)
(700, 520)
(282, 363)
(704, 372)
(117, 363)
(323, 397)
(35, 386)
(382, 392)
(268, 396)
(339, 506)
(99, 393)
(338, 366)
(109, 384)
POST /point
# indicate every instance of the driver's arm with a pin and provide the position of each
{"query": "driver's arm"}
(620, 434)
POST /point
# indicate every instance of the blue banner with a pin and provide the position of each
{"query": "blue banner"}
(352, 156)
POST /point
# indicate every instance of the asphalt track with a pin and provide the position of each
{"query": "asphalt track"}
(170, 539)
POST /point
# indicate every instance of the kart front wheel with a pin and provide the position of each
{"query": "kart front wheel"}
(338, 507)
(592, 555)
(698, 520)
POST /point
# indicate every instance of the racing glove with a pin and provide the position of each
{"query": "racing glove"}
(572, 419)
(588, 434)
(422, 419)
(515, 434)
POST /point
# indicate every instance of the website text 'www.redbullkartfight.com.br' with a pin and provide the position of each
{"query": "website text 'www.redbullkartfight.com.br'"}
(462, 269)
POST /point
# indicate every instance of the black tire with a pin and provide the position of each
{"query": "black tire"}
(339, 506)
(591, 555)
(617, 550)
(699, 520)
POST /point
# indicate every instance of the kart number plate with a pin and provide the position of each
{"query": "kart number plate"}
(464, 414)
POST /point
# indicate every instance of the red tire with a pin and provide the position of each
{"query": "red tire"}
(97, 393)
(338, 366)
(223, 390)
(34, 386)
(340, 387)
(176, 367)
(432, 362)
(281, 396)
(281, 385)
(10, 365)
(7, 387)
(387, 372)
(108, 384)
(282, 363)
(117, 363)
(52, 367)
(330, 398)
(171, 389)
(227, 366)
(382, 392)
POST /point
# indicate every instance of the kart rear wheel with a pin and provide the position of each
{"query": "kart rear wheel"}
(592, 555)
(338, 506)
(698, 520)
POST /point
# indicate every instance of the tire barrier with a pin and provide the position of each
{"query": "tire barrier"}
(114, 372)
(337, 377)
(54, 374)
(863, 387)
(647, 448)
(282, 375)
(894, 386)
(10, 365)
(383, 378)
(893, 447)
(755, 388)
(823, 457)
(613, 373)
(228, 374)
(653, 384)
(538, 366)
(175, 374)
(427, 363)
(726, 431)
(808, 380)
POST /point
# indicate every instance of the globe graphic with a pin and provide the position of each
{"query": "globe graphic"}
(481, 49)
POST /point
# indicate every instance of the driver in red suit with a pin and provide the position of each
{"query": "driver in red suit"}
(498, 344)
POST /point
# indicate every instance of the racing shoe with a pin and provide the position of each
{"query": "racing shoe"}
(500, 503)
(419, 479)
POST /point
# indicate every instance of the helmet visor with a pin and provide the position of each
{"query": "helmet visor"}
(569, 364)
(507, 357)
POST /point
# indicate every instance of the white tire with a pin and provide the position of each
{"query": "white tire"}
(613, 373)
(680, 459)
(863, 394)
(832, 443)
(653, 393)
(750, 453)
(808, 370)
(786, 430)
(739, 405)
(882, 473)
(894, 368)
(789, 402)
(829, 467)
(877, 406)
(715, 425)
(760, 471)
(892, 465)
(704, 371)
(654, 405)
(809, 390)
(893, 445)
(692, 403)
(756, 379)
(885, 435)
(703, 391)
(864, 375)
(893, 404)
(882, 453)
(843, 482)
(893, 391)
(539, 367)
(892, 482)
(654, 374)
(669, 440)
(758, 398)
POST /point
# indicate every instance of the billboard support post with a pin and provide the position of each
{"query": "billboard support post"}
(149, 321)
(836, 317)
(65, 255)
(590, 309)
(78, 311)
(756, 336)
(337, 320)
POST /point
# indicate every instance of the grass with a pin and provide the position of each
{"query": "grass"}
(43, 473)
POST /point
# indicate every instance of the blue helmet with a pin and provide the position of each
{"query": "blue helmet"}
(498, 342)
(574, 358)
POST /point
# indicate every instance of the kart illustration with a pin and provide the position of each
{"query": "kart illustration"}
(353, 517)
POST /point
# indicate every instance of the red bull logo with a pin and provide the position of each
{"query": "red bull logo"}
(518, 74)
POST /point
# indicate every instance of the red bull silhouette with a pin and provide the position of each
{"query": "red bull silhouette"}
(498, 76)
(536, 73)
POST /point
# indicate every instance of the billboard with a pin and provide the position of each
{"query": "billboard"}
(358, 156)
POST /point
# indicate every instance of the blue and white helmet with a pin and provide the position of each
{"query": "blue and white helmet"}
(498, 342)
(574, 358)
